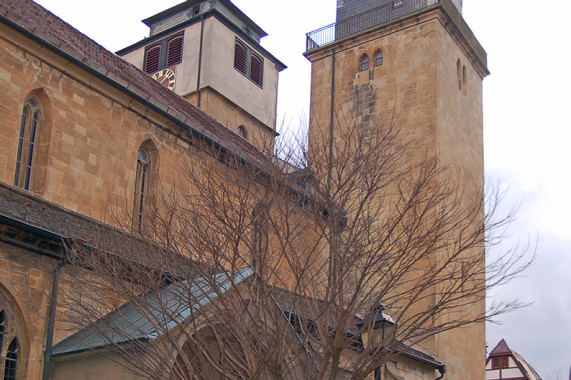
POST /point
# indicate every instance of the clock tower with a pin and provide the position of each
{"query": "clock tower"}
(417, 59)
(209, 52)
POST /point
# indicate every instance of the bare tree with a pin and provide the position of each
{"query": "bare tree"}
(271, 269)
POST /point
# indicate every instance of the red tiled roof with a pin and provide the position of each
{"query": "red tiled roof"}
(501, 349)
(68, 40)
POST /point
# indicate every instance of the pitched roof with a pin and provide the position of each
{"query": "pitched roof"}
(152, 315)
(42, 25)
(502, 348)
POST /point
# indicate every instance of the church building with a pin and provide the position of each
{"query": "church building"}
(87, 133)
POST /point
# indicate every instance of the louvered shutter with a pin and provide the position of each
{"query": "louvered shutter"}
(152, 59)
(240, 58)
(174, 51)
(256, 70)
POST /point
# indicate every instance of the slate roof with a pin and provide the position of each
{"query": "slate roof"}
(42, 25)
(128, 323)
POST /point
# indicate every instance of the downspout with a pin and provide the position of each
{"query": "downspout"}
(442, 370)
(199, 61)
(52, 318)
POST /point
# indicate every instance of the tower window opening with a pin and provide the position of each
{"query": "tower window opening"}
(174, 51)
(240, 58)
(364, 63)
(249, 63)
(152, 60)
(256, 70)
(378, 58)
(164, 53)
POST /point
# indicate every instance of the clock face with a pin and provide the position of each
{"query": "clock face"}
(166, 77)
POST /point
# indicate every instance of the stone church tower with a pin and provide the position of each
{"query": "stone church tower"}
(419, 60)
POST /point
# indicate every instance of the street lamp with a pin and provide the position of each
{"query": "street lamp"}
(381, 327)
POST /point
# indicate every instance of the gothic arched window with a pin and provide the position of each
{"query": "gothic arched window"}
(11, 358)
(378, 58)
(364, 63)
(11, 362)
(143, 174)
(147, 165)
(27, 142)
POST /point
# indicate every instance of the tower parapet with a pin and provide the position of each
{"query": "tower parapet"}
(349, 8)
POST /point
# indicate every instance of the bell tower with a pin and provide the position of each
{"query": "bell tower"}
(209, 52)
(419, 60)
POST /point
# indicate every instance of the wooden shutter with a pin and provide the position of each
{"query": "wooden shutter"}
(174, 51)
(152, 59)
(240, 58)
(256, 70)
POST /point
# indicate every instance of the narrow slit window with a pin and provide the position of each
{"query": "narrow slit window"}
(364, 63)
(29, 125)
(143, 174)
(174, 51)
(459, 73)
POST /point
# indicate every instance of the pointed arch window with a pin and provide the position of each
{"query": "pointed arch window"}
(364, 63)
(379, 58)
(10, 350)
(27, 141)
(11, 362)
(141, 191)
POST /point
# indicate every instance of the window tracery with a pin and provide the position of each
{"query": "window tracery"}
(10, 349)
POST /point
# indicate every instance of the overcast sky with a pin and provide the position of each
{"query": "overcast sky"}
(527, 131)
